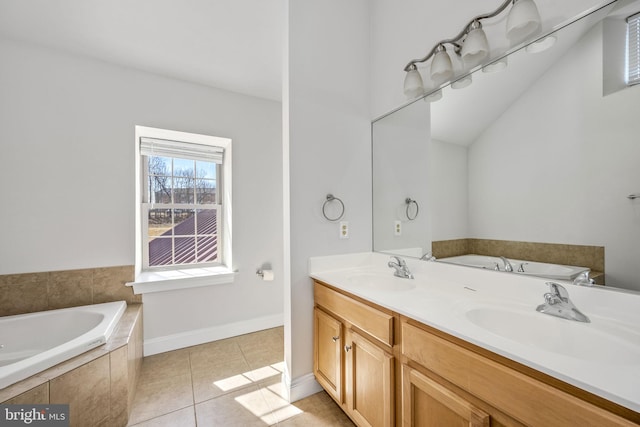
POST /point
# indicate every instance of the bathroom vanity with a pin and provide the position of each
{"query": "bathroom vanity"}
(462, 346)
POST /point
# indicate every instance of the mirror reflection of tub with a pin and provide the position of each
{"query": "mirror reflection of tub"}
(524, 267)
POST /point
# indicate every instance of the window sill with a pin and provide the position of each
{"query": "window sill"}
(162, 281)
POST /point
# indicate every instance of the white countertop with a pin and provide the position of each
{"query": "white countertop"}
(602, 357)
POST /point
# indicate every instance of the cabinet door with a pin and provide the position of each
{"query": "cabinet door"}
(369, 382)
(327, 354)
(425, 403)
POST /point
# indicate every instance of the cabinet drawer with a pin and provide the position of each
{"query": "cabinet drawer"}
(376, 323)
(520, 396)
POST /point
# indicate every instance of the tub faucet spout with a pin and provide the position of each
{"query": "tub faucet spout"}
(507, 264)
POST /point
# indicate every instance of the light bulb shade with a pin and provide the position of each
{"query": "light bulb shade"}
(413, 85)
(462, 83)
(523, 21)
(435, 96)
(475, 47)
(441, 67)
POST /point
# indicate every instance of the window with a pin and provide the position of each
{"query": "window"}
(633, 49)
(183, 208)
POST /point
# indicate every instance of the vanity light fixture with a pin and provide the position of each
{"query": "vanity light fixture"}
(476, 46)
(471, 44)
(413, 85)
(523, 20)
(441, 66)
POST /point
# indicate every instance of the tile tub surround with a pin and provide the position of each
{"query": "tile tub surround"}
(553, 253)
(99, 385)
(32, 292)
(229, 382)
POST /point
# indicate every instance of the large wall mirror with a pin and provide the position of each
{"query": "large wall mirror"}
(542, 151)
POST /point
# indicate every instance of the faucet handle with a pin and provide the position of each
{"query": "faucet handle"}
(399, 260)
(583, 279)
(557, 290)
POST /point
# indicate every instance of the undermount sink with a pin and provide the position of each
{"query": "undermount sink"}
(597, 342)
(384, 282)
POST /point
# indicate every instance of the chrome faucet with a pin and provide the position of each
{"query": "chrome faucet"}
(507, 264)
(428, 257)
(557, 303)
(401, 269)
(583, 279)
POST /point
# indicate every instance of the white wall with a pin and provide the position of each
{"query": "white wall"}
(448, 191)
(401, 170)
(67, 177)
(559, 164)
(327, 150)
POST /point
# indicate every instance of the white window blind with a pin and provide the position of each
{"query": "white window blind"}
(183, 150)
(633, 49)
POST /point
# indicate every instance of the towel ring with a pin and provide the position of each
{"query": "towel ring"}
(410, 202)
(331, 198)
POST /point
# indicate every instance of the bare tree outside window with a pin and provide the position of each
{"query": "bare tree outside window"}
(181, 227)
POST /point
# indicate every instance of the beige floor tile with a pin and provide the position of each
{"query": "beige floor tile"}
(161, 396)
(233, 382)
(262, 349)
(215, 379)
(274, 394)
(244, 408)
(214, 354)
(317, 410)
(271, 339)
(163, 365)
(183, 418)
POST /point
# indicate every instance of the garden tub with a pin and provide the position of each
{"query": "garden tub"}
(31, 343)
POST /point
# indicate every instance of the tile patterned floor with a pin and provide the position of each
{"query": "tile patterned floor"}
(232, 382)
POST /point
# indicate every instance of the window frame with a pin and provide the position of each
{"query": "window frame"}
(632, 71)
(162, 278)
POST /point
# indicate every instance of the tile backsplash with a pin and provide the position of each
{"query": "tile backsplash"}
(579, 255)
(31, 292)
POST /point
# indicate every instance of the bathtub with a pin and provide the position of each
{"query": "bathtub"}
(31, 343)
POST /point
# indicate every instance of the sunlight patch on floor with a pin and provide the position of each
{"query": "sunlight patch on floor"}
(249, 377)
(268, 405)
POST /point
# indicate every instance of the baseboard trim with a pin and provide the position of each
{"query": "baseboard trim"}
(300, 387)
(214, 333)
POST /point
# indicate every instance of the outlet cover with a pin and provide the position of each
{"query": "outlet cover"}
(397, 228)
(344, 229)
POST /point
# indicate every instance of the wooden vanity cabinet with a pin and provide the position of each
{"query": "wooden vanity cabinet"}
(353, 356)
(385, 369)
(481, 391)
(327, 355)
(427, 403)
(369, 382)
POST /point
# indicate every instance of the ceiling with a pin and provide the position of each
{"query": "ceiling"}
(235, 45)
(231, 44)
